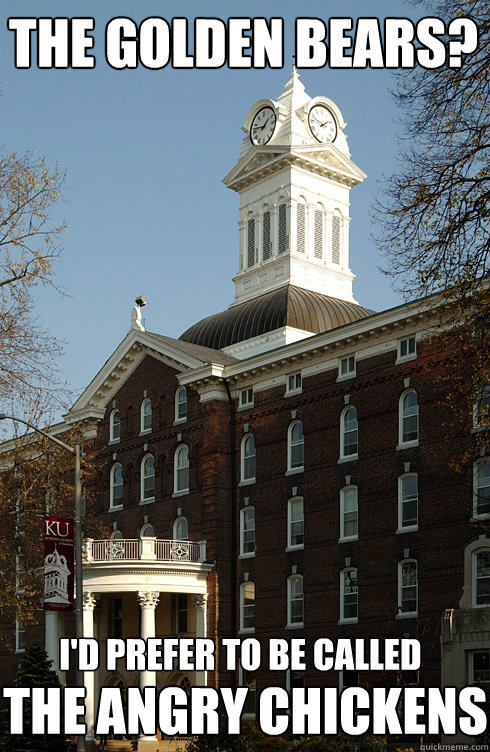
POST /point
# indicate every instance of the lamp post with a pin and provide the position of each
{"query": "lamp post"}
(75, 451)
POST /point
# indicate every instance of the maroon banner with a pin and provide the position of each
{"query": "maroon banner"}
(59, 564)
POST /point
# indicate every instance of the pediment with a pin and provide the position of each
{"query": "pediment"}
(137, 344)
(254, 161)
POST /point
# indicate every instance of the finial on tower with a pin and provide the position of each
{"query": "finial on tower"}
(136, 320)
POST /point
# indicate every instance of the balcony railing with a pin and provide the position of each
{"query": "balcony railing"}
(144, 549)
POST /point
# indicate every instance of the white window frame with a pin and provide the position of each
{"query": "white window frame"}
(243, 529)
(20, 636)
(401, 418)
(184, 490)
(112, 438)
(297, 387)
(297, 443)
(112, 505)
(343, 455)
(292, 579)
(290, 545)
(144, 416)
(178, 403)
(144, 530)
(471, 669)
(143, 498)
(407, 614)
(248, 585)
(343, 493)
(175, 530)
(246, 397)
(474, 577)
(408, 355)
(342, 618)
(350, 368)
(484, 392)
(480, 462)
(401, 527)
(247, 479)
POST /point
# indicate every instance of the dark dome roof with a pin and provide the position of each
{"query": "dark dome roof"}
(287, 306)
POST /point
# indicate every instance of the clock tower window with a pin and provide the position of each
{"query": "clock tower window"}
(283, 229)
(336, 228)
(251, 243)
(301, 228)
(266, 235)
(318, 251)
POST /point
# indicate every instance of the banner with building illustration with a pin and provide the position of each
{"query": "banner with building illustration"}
(59, 564)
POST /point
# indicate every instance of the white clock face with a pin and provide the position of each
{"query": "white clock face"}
(263, 126)
(322, 124)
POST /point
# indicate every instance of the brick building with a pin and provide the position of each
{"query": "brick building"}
(284, 468)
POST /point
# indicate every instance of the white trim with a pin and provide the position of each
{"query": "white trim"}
(146, 499)
(406, 528)
(401, 417)
(295, 546)
(180, 491)
(299, 442)
(409, 356)
(243, 587)
(474, 557)
(346, 457)
(114, 439)
(407, 614)
(343, 538)
(348, 619)
(480, 461)
(296, 624)
(143, 430)
(178, 404)
(246, 554)
(113, 506)
(247, 480)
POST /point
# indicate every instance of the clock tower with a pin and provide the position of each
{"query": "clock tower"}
(294, 175)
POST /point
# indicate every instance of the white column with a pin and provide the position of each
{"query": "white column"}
(200, 602)
(89, 601)
(148, 602)
(52, 638)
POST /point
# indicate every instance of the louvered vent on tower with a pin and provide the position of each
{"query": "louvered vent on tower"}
(266, 236)
(336, 239)
(282, 229)
(301, 228)
(318, 233)
(251, 243)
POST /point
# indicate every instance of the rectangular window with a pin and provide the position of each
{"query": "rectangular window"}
(407, 348)
(347, 366)
(408, 501)
(348, 513)
(479, 668)
(408, 587)
(482, 578)
(181, 613)
(294, 382)
(247, 397)
(481, 487)
(296, 523)
(266, 236)
(20, 572)
(115, 625)
(295, 600)
(481, 410)
(247, 531)
(20, 636)
(247, 603)
(348, 595)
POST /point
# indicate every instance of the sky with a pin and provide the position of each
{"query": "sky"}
(145, 152)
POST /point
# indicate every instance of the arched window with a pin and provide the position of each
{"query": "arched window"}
(481, 487)
(301, 227)
(181, 529)
(114, 426)
(247, 531)
(145, 424)
(296, 523)
(409, 417)
(116, 535)
(318, 237)
(348, 433)
(266, 235)
(148, 478)
(248, 458)
(407, 588)
(116, 484)
(247, 606)
(295, 446)
(481, 578)
(181, 404)
(348, 513)
(181, 469)
(295, 600)
(408, 501)
(348, 594)
(147, 531)
(336, 236)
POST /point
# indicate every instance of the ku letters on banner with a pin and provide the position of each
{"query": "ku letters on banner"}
(59, 564)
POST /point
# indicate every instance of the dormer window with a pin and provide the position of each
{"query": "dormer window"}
(114, 426)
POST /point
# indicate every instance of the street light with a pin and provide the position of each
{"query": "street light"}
(75, 451)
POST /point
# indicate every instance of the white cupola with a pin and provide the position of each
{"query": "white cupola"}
(294, 175)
